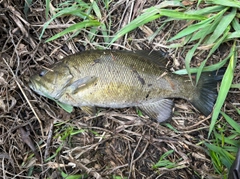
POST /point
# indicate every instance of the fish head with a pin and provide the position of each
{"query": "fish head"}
(51, 83)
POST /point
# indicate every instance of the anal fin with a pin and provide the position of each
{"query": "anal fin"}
(160, 110)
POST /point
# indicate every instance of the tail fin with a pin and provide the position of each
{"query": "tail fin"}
(206, 91)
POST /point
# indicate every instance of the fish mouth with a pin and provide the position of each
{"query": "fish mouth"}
(36, 86)
(32, 85)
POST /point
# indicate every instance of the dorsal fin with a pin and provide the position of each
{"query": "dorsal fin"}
(157, 57)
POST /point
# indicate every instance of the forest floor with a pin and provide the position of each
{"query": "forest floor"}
(116, 143)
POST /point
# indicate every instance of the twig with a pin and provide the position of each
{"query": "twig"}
(132, 158)
(15, 78)
(26, 139)
(83, 167)
(46, 154)
(6, 156)
(196, 124)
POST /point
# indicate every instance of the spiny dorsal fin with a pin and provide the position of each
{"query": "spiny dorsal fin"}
(157, 57)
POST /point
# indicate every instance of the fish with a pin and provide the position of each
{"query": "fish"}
(234, 171)
(120, 79)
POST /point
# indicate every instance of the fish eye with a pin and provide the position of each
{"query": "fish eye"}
(42, 73)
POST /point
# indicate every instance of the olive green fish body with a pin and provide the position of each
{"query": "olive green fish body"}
(115, 79)
(120, 80)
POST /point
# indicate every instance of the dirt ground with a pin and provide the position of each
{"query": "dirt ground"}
(116, 143)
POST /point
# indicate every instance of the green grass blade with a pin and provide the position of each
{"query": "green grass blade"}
(78, 176)
(47, 8)
(91, 36)
(216, 45)
(133, 25)
(171, 127)
(200, 69)
(104, 30)
(219, 41)
(27, 4)
(74, 132)
(235, 85)
(206, 11)
(234, 124)
(78, 26)
(214, 48)
(193, 28)
(224, 88)
(174, 3)
(119, 177)
(236, 24)
(227, 3)
(166, 154)
(213, 67)
(214, 154)
(234, 135)
(163, 162)
(211, 27)
(76, 10)
(151, 14)
(234, 148)
(220, 156)
(222, 26)
(216, 20)
(180, 15)
(226, 140)
(55, 154)
(211, 22)
(189, 58)
(233, 35)
(186, 39)
(202, 31)
(96, 10)
(238, 110)
(152, 37)
(148, 16)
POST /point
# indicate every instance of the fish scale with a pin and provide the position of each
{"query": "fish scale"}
(118, 79)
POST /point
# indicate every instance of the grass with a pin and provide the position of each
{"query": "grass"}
(163, 162)
(225, 86)
(80, 10)
(66, 176)
(209, 26)
(224, 145)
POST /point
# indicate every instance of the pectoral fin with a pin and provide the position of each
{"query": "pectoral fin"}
(80, 84)
(160, 110)
(68, 108)
(89, 110)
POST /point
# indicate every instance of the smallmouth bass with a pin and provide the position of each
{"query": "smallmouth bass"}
(118, 79)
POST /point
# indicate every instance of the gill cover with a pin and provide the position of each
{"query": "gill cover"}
(51, 83)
